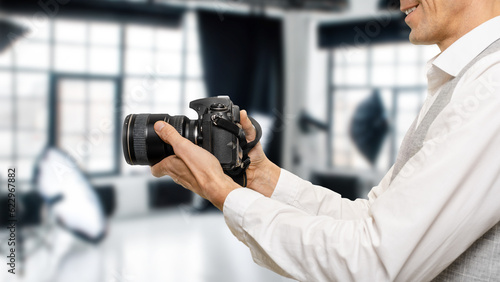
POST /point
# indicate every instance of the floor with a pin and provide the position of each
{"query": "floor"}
(171, 245)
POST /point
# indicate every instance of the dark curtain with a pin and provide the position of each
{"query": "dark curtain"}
(378, 29)
(242, 58)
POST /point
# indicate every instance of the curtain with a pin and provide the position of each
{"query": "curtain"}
(242, 58)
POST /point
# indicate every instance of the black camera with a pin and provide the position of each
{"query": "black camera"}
(215, 130)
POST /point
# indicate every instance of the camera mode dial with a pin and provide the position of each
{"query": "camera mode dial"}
(218, 107)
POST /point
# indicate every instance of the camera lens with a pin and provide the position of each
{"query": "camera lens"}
(141, 144)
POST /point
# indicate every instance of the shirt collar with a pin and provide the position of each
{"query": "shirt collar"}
(466, 48)
(435, 76)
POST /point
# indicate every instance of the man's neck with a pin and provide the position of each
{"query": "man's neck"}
(473, 20)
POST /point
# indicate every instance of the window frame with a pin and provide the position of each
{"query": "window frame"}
(185, 78)
(396, 91)
(54, 99)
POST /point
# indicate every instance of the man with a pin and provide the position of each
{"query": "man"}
(434, 214)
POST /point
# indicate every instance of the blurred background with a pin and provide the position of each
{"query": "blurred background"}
(334, 83)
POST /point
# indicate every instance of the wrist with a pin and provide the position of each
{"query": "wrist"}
(268, 176)
(274, 172)
(221, 190)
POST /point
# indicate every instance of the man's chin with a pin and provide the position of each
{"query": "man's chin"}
(419, 40)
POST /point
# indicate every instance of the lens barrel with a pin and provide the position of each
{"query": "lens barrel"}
(141, 144)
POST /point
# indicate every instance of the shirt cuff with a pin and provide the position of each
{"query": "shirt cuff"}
(235, 206)
(287, 188)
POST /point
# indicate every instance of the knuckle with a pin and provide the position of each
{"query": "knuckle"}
(162, 168)
(155, 171)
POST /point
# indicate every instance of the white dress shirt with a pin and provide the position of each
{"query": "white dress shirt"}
(412, 228)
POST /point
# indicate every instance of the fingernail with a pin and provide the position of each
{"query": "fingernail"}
(159, 125)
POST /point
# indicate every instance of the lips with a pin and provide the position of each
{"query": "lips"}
(409, 11)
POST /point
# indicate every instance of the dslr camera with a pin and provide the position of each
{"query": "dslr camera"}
(216, 130)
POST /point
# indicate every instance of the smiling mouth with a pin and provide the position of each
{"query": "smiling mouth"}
(409, 11)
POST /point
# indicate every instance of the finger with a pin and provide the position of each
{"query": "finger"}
(173, 167)
(181, 174)
(163, 168)
(170, 135)
(178, 171)
(187, 151)
(167, 133)
(247, 126)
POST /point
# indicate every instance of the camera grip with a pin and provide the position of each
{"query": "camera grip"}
(238, 174)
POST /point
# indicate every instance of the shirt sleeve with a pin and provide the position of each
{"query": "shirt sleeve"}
(316, 200)
(295, 244)
(443, 199)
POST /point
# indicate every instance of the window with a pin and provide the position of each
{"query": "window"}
(397, 71)
(158, 79)
(23, 101)
(102, 71)
(86, 47)
(85, 121)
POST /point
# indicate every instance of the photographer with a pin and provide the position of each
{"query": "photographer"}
(435, 214)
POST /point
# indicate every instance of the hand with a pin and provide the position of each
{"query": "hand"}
(262, 174)
(193, 167)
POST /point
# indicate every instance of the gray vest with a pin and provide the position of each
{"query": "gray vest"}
(481, 261)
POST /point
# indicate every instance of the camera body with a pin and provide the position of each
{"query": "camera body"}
(220, 142)
(216, 130)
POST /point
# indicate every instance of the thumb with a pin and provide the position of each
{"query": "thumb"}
(168, 134)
